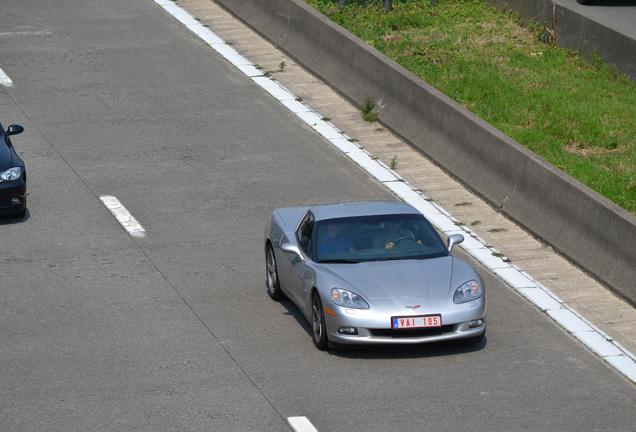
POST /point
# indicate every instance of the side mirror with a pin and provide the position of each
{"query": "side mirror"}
(14, 129)
(291, 248)
(453, 240)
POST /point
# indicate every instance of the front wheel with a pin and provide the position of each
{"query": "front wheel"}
(271, 281)
(318, 323)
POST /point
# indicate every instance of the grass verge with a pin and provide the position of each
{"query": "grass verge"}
(580, 117)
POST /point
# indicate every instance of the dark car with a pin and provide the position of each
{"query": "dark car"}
(12, 175)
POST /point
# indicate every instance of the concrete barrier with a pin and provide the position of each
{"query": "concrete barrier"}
(578, 32)
(578, 222)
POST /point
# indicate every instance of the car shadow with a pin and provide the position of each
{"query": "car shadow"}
(293, 310)
(10, 220)
(389, 351)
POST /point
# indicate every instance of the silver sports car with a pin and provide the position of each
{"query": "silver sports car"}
(372, 272)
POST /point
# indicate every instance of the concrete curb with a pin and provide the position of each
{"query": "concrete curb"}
(578, 32)
(578, 222)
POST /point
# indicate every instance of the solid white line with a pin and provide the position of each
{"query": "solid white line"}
(279, 92)
(541, 299)
(301, 424)
(123, 216)
(26, 33)
(5, 80)
(569, 321)
(624, 365)
(596, 340)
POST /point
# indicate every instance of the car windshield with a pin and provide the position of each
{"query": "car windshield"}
(377, 238)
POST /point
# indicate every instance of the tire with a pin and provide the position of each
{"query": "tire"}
(318, 326)
(271, 275)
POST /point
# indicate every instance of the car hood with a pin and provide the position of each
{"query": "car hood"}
(407, 280)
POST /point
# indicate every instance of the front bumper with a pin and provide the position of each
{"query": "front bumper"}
(11, 191)
(375, 328)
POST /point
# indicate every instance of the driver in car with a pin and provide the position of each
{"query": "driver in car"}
(395, 233)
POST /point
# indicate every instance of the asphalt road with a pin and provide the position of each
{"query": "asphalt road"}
(174, 331)
(619, 15)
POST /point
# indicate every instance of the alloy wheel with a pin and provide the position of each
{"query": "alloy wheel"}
(270, 268)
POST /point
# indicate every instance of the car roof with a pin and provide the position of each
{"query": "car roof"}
(352, 209)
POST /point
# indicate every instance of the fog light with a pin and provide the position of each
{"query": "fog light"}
(348, 330)
(476, 323)
(16, 201)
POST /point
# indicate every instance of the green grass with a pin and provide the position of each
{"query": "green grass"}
(580, 117)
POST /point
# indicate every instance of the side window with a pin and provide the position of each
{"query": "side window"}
(305, 234)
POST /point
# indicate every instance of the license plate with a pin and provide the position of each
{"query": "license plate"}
(424, 321)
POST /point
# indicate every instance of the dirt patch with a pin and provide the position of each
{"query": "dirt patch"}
(391, 37)
(586, 152)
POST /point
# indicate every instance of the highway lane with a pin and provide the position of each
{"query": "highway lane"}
(174, 331)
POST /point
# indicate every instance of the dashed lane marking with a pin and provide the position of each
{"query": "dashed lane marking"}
(123, 216)
(301, 424)
(5, 80)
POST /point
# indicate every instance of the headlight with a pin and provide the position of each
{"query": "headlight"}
(11, 174)
(348, 299)
(467, 292)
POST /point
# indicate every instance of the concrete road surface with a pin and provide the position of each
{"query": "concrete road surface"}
(174, 331)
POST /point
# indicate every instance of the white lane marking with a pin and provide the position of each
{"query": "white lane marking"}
(5, 80)
(279, 92)
(595, 339)
(123, 216)
(541, 299)
(26, 33)
(623, 364)
(569, 321)
(598, 343)
(301, 424)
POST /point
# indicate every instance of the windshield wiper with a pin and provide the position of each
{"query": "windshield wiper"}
(339, 261)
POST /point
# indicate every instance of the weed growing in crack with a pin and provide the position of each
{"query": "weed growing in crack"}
(497, 230)
(393, 163)
(369, 114)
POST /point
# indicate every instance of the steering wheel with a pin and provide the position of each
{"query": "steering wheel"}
(404, 238)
